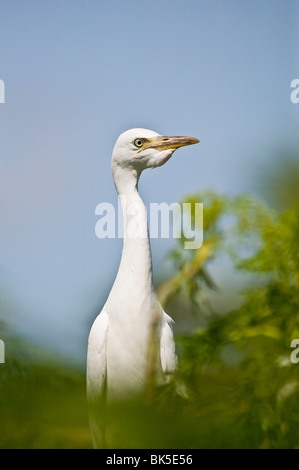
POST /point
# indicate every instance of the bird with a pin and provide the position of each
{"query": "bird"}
(131, 340)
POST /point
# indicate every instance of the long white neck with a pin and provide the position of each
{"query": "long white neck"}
(134, 276)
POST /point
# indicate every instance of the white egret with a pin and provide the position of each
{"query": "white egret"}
(120, 357)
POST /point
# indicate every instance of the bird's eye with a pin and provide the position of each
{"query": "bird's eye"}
(138, 143)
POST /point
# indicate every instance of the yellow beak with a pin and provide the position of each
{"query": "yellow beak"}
(166, 142)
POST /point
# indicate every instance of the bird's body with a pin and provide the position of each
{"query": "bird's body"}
(132, 323)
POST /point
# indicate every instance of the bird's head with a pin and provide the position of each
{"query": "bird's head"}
(138, 149)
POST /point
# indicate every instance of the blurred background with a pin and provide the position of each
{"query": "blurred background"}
(77, 74)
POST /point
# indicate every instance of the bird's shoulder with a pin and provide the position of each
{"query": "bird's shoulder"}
(167, 345)
(97, 356)
(98, 330)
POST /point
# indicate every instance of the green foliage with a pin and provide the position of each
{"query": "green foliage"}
(236, 386)
(191, 276)
(246, 352)
(43, 402)
(279, 183)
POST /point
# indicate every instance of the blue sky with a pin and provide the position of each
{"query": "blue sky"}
(77, 74)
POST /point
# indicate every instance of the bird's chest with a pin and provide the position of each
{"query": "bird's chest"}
(127, 352)
(128, 334)
(131, 316)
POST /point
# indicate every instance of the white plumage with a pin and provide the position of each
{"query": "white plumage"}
(132, 322)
